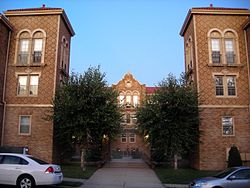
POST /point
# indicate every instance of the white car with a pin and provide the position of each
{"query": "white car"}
(25, 171)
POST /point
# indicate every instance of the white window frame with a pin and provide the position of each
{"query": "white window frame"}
(28, 86)
(123, 137)
(223, 37)
(130, 137)
(31, 38)
(222, 126)
(19, 126)
(225, 85)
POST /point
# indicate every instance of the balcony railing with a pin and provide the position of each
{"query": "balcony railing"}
(37, 57)
(230, 56)
(23, 58)
(216, 57)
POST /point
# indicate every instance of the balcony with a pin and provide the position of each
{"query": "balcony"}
(23, 58)
(37, 57)
(216, 57)
(230, 57)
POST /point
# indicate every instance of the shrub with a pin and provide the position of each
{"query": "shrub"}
(234, 158)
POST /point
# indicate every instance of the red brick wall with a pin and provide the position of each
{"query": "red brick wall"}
(213, 145)
(139, 144)
(46, 81)
(39, 141)
(4, 37)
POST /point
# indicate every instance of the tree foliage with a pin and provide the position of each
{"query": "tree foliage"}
(234, 158)
(170, 117)
(85, 109)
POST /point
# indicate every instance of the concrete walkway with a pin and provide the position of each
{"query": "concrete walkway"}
(113, 176)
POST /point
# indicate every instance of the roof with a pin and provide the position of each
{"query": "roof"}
(5, 21)
(247, 24)
(212, 10)
(150, 90)
(41, 11)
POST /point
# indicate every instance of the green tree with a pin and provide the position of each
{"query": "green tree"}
(234, 158)
(85, 109)
(170, 117)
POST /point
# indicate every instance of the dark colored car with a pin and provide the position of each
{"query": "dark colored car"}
(236, 177)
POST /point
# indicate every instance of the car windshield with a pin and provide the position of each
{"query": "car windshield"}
(41, 162)
(224, 173)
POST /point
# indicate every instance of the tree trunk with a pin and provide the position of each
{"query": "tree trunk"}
(175, 161)
(83, 153)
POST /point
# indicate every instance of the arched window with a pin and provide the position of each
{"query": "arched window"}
(121, 98)
(128, 98)
(38, 43)
(30, 47)
(135, 99)
(23, 47)
(223, 47)
(215, 50)
(230, 47)
(189, 54)
(64, 54)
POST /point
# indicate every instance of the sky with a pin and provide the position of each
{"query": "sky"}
(136, 36)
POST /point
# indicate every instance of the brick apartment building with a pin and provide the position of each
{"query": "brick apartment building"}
(35, 50)
(131, 93)
(217, 54)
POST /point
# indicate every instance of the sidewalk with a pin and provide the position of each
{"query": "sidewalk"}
(124, 173)
(84, 180)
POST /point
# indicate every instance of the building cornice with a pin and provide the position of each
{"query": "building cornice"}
(31, 105)
(6, 21)
(42, 11)
(223, 106)
(212, 11)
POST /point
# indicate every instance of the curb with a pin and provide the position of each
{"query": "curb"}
(176, 185)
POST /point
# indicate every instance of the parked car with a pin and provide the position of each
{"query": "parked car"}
(26, 171)
(236, 177)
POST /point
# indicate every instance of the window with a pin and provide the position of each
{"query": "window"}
(225, 85)
(14, 160)
(23, 51)
(27, 85)
(64, 54)
(134, 119)
(215, 43)
(37, 51)
(229, 51)
(241, 174)
(124, 138)
(132, 138)
(231, 90)
(121, 99)
(135, 100)
(30, 47)
(25, 125)
(128, 99)
(227, 126)
(230, 38)
(223, 47)
(219, 85)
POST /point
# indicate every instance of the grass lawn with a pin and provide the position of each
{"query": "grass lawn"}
(74, 171)
(180, 176)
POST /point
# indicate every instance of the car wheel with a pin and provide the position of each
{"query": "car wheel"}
(25, 181)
